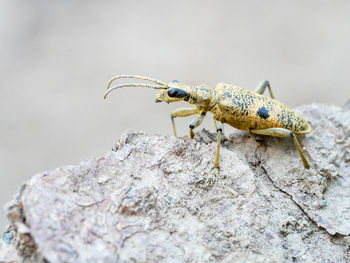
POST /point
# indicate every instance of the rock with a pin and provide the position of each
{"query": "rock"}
(8, 252)
(146, 200)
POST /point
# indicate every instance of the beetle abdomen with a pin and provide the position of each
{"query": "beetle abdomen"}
(244, 109)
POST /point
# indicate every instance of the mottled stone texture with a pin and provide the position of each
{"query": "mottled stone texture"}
(146, 200)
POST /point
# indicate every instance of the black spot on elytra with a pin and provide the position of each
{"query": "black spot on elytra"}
(263, 113)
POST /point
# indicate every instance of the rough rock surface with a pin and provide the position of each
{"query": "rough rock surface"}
(146, 201)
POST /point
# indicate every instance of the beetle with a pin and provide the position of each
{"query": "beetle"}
(242, 109)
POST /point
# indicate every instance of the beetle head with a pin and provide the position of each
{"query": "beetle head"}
(175, 92)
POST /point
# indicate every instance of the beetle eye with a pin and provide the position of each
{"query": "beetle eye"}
(177, 93)
(173, 92)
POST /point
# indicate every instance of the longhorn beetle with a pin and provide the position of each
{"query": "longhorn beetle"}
(238, 107)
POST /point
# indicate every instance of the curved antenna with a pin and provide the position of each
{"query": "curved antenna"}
(133, 85)
(159, 82)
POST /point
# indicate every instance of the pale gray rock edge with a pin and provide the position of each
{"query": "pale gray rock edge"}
(146, 201)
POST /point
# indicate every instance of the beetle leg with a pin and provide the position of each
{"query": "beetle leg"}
(262, 86)
(211, 179)
(181, 112)
(195, 123)
(280, 132)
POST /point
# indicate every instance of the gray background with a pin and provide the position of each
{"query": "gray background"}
(56, 57)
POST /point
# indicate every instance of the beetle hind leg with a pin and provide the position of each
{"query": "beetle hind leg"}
(280, 132)
(262, 86)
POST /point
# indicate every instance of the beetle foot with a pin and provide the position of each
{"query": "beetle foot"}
(212, 178)
(192, 134)
(320, 178)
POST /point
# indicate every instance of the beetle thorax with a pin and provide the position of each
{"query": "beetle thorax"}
(201, 96)
(198, 95)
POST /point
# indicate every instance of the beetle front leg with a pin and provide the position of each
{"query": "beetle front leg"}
(262, 86)
(280, 132)
(211, 179)
(195, 123)
(181, 112)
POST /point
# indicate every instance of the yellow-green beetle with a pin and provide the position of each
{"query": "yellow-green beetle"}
(238, 107)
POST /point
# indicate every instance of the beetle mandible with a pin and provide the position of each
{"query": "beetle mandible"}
(242, 109)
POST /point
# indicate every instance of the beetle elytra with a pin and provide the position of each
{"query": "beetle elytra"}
(238, 107)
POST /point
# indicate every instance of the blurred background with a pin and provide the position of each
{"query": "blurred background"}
(57, 56)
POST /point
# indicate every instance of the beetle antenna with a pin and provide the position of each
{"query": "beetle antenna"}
(159, 82)
(133, 85)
